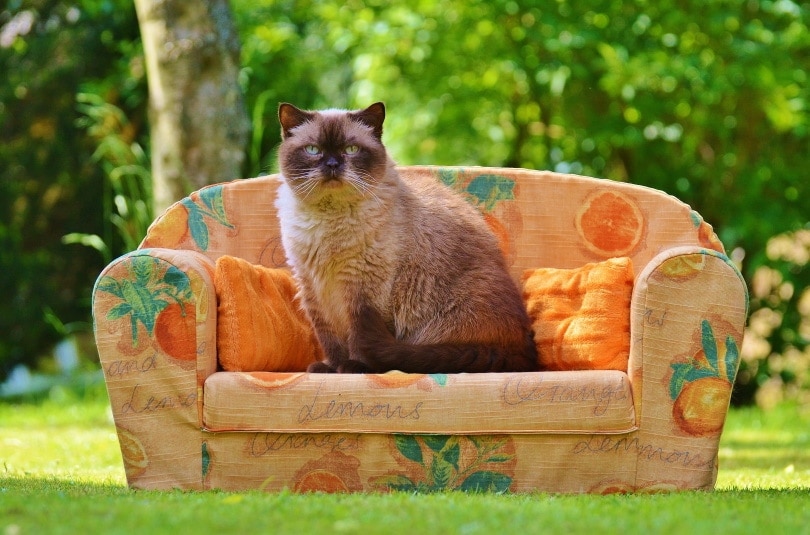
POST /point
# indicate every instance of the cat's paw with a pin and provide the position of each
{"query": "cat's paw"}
(320, 367)
(353, 366)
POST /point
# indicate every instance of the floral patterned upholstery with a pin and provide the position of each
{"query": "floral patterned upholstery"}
(184, 423)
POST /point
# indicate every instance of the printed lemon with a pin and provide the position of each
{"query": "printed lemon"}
(170, 230)
(701, 360)
(201, 294)
(684, 266)
(700, 408)
(133, 452)
(610, 223)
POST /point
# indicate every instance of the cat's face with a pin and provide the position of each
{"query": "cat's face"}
(332, 152)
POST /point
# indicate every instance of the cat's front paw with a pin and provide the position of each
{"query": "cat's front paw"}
(353, 366)
(320, 367)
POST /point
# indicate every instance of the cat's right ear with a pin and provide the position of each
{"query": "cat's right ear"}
(373, 117)
(291, 117)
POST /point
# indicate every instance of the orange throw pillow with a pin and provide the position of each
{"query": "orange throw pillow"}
(581, 316)
(260, 323)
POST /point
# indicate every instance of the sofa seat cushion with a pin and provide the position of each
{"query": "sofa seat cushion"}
(569, 402)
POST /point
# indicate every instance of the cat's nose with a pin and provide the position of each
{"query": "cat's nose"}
(332, 163)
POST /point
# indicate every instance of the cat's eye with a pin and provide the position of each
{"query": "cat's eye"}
(312, 149)
(351, 149)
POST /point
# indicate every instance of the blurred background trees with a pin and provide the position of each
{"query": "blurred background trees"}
(705, 100)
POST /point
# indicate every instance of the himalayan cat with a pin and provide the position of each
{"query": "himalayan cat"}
(394, 274)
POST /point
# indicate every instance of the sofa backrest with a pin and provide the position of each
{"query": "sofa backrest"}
(541, 218)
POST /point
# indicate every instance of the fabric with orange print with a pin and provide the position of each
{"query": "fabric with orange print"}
(260, 324)
(581, 316)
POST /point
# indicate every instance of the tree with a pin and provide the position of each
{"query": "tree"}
(199, 125)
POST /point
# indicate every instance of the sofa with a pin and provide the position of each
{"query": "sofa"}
(651, 424)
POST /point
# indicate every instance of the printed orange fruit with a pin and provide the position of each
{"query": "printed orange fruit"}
(610, 223)
(169, 230)
(501, 233)
(273, 380)
(611, 487)
(700, 408)
(176, 331)
(334, 472)
(133, 452)
(320, 480)
(658, 487)
(394, 379)
(709, 239)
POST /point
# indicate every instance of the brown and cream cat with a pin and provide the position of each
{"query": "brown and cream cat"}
(395, 274)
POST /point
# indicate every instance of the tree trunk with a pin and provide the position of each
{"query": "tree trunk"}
(199, 125)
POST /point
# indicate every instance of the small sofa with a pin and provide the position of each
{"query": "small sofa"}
(183, 422)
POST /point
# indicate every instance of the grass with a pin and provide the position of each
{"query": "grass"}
(61, 472)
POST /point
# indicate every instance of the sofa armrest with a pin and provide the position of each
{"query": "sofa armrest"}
(154, 316)
(688, 313)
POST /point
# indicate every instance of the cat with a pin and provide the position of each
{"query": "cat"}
(394, 274)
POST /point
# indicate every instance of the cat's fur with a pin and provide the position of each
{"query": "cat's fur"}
(394, 274)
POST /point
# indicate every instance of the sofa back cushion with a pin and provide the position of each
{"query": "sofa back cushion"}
(260, 323)
(542, 219)
(581, 316)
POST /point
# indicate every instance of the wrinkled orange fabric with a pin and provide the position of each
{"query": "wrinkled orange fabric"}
(260, 323)
(581, 316)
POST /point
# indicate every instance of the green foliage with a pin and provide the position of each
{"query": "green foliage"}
(127, 197)
(50, 51)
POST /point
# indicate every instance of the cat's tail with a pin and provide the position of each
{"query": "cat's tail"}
(375, 346)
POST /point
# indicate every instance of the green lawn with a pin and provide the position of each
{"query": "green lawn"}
(61, 472)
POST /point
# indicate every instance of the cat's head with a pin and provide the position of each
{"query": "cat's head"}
(332, 152)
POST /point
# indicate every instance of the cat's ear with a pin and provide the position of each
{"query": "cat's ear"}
(372, 116)
(291, 117)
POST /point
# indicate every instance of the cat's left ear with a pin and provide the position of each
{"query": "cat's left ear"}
(372, 116)
(290, 117)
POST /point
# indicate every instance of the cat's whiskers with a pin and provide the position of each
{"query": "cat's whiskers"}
(304, 184)
(358, 180)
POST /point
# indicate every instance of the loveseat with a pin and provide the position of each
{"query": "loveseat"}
(653, 425)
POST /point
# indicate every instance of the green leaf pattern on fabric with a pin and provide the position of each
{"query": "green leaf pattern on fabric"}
(408, 447)
(686, 372)
(206, 459)
(145, 292)
(484, 191)
(732, 358)
(441, 467)
(439, 378)
(489, 189)
(211, 207)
